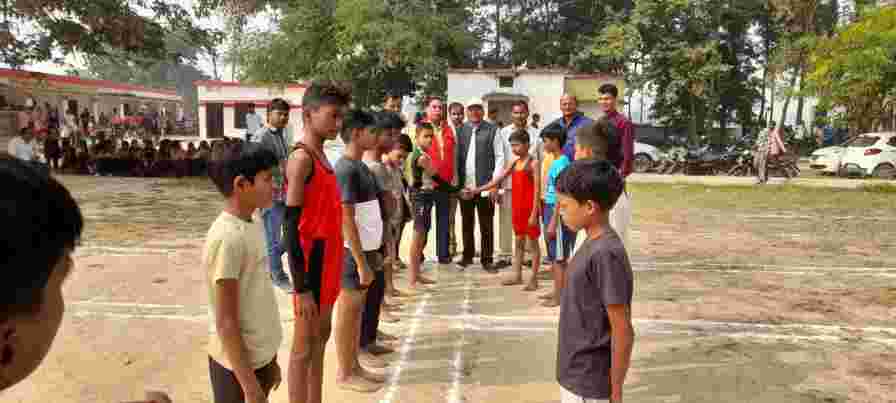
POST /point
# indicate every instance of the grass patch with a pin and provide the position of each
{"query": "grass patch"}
(796, 199)
(885, 188)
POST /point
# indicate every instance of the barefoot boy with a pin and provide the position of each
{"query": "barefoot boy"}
(362, 226)
(246, 331)
(595, 330)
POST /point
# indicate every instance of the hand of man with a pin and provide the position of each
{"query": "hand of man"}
(495, 197)
(307, 308)
(366, 277)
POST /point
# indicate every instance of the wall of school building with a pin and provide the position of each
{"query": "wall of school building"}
(542, 90)
(222, 107)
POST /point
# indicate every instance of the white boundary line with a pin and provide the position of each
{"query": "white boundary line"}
(406, 348)
(760, 266)
(455, 394)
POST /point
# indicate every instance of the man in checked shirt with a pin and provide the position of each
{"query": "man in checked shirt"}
(273, 137)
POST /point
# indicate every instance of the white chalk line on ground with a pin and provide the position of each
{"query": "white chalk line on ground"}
(405, 351)
(760, 266)
(455, 394)
(820, 217)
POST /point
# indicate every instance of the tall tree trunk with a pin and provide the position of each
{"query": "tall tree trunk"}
(792, 85)
(498, 32)
(800, 100)
(764, 95)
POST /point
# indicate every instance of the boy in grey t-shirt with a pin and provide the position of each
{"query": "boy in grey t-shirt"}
(595, 331)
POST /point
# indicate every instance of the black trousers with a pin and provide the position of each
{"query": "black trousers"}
(486, 210)
(370, 318)
(225, 387)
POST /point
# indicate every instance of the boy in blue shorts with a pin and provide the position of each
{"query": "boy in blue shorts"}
(559, 239)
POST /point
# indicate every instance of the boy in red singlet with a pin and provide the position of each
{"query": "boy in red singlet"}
(526, 188)
(313, 236)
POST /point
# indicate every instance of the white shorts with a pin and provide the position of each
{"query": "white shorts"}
(569, 397)
(621, 217)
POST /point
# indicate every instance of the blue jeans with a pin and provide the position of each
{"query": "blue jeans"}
(273, 221)
(565, 240)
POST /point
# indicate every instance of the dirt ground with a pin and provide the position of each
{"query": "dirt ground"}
(774, 294)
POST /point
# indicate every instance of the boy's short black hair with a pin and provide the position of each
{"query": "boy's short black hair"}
(609, 89)
(42, 221)
(519, 136)
(554, 131)
(404, 142)
(389, 120)
(356, 119)
(424, 126)
(326, 92)
(593, 180)
(239, 159)
(279, 104)
(601, 137)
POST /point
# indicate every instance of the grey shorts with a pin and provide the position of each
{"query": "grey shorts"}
(350, 278)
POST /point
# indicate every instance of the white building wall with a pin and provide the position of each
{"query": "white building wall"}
(203, 124)
(543, 90)
(229, 94)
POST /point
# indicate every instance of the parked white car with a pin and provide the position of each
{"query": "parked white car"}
(645, 156)
(827, 160)
(871, 154)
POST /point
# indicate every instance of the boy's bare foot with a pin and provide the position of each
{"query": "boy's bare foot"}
(513, 281)
(370, 375)
(377, 349)
(531, 286)
(367, 359)
(551, 303)
(424, 280)
(549, 295)
(357, 383)
(385, 316)
(385, 336)
(396, 293)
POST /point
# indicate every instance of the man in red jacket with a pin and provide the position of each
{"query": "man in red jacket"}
(442, 155)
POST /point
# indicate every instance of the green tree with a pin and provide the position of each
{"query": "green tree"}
(36, 30)
(362, 41)
(694, 55)
(178, 70)
(856, 68)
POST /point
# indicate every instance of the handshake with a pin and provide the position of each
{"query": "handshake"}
(470, 193)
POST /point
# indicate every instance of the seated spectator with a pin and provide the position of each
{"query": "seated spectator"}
(205, 150)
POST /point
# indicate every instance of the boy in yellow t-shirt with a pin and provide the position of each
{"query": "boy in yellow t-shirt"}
(245, 328)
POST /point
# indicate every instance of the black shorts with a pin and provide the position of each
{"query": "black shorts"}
(225, 387)
(350, 278)
(423, 202)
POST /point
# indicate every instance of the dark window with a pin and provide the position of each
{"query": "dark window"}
(892, 141)
(241, 111)
(214, 120)
(505, 82)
